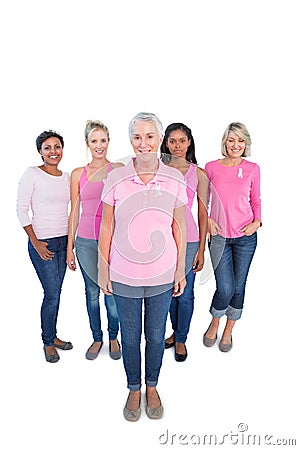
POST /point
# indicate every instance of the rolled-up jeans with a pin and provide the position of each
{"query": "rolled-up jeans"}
(130, 302)
(87, 255)
(231, 259)
(51, 275)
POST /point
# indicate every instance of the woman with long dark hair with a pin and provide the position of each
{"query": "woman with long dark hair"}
(178, 151)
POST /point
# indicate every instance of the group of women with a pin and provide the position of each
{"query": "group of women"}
(135, 237)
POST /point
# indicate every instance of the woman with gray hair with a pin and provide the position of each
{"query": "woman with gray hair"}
(142, 256)
(235, 217)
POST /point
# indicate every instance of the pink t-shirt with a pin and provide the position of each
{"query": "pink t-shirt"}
(234, 195)
(91, 206)
(43, 202)
(143, 250)
(191, 179)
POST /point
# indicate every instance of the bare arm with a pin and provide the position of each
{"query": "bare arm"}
(179, 233)
(73, 216)
(202, 192)
(105, 238)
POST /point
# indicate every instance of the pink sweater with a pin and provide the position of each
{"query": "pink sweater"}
(43, 202)
(234, 196)
(91, 206)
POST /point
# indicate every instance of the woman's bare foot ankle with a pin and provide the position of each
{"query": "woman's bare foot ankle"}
(58, 341)
(212, 330)
(170, 340)
(114, 345)
(133, 400)
(226, 339)
(94, 348)
(50, 350)
(153, 400)
(180, 348)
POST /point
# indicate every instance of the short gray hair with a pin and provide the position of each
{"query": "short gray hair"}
(241, 131)
(146, 117)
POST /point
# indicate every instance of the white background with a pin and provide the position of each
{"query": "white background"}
(204, 63)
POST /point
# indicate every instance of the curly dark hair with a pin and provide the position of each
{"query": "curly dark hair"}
(46, 135)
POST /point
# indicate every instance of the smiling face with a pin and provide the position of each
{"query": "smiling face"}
(51, 151)
(178, 143)
(145, 138)
(235, 145)
(98, 143)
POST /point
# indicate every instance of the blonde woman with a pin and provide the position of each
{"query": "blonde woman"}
(235, 217)
(86, 189)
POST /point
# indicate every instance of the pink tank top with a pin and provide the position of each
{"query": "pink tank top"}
(191, 179)
(91, 206)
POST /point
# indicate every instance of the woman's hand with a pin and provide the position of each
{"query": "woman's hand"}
(179, 283)
(198, 261)
(42, 248)
(213, 228)
(105, 283)
(71, 260)
(250, 228)
(108, 290)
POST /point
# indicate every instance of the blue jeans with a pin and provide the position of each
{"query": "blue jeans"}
(51, 275)
(182, 307)
(130, 310)
(87, 255)
(231, 259)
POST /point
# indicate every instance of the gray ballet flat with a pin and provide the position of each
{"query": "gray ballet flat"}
(154, 413)
(93, 355)
(132, 415)
(209, 342)
(115, 355)
(225, 347)
(51, 358)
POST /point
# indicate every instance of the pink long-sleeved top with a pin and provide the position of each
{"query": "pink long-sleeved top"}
(234, 196)
(43, 202)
